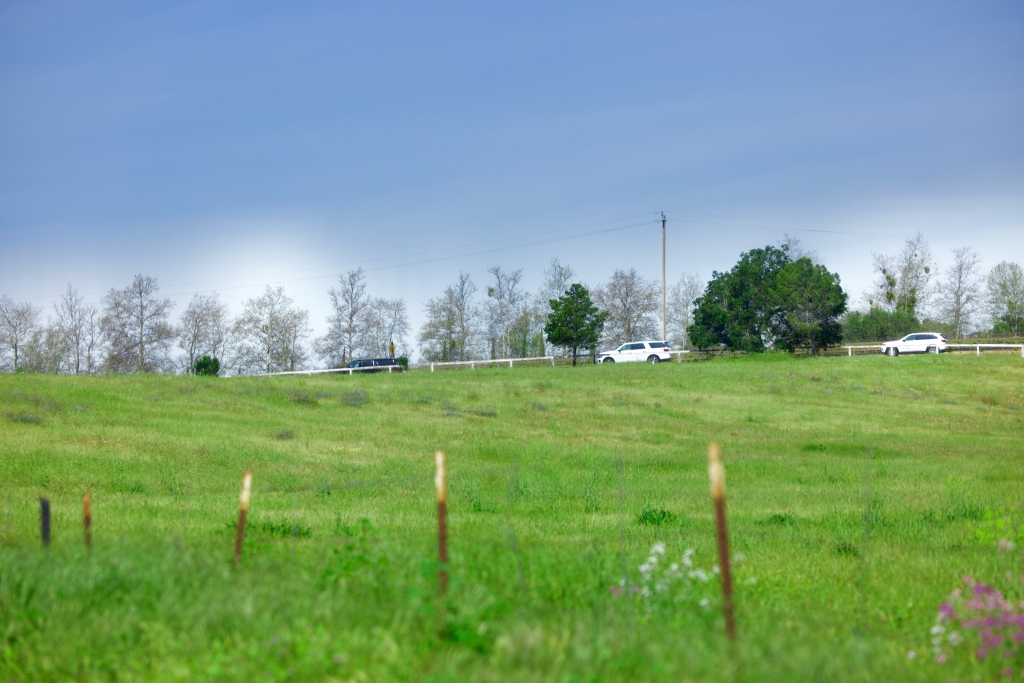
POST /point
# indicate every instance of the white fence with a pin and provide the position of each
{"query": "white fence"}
(511, 361)
(499, 361)
(324, 372)
(977, 347)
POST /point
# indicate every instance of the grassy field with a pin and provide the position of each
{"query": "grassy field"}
(860, 491)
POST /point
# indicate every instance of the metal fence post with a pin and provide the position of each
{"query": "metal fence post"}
(979, 349)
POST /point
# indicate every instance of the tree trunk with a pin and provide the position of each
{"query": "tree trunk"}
(574, 356)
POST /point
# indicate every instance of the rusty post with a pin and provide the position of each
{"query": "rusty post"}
(717, 475)
(442, 520)
(44, 520)
(243, 510)
(87, 519)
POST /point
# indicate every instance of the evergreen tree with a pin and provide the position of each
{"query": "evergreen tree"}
(575, 322)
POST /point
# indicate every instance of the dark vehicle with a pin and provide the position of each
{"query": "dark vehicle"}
(375, 365)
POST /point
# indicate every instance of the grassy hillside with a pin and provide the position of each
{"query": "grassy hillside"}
(561, 481)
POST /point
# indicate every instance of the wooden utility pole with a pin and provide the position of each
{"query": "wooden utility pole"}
(664, 284)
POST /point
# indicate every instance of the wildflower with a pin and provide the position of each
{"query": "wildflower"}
(658, 549)
(704, 602)
(752, 580)
(955, 639)
(941, 658)
(1006, 545)
(911, 654)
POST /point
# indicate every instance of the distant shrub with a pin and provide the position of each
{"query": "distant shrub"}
(207, 366)
(403, 361)
(655, 517)
(27, 419)
(878, 325)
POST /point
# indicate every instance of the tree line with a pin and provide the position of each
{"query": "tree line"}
(779, 296)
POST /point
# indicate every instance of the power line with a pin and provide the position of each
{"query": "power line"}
(387, 258)
(423, 261)
(830, 232)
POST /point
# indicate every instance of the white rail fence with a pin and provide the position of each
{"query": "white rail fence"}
(510, 362)
(977, 347)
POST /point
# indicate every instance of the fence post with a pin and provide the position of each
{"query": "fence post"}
(243, 510)
(472, 366)
(44, 521)
(717, 475)
(979, 350)
(87, 519)
(1021, 355)
(442, 519)
(431, 367)
(510, 363)
(850, 351)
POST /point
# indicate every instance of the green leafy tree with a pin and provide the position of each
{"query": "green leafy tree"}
(739, 308)
(878, 325)
(207, 366)
(575, 322)
(811, 302)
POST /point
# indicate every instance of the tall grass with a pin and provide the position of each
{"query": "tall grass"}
(552, 512)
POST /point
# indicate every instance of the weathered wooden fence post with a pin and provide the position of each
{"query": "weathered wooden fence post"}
(44, 520)
(442, 519)
(243, 511)
(87, 519)
(717, 475)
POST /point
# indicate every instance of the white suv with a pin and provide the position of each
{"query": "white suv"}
(637, 352)
(923, 342)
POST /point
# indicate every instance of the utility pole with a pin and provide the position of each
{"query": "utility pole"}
(664, 284)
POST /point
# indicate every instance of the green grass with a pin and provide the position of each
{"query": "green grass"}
(561, 480)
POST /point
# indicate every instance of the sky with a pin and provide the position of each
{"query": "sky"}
(224, 146)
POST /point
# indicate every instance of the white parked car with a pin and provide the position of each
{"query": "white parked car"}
(922, 342)
(637, 352)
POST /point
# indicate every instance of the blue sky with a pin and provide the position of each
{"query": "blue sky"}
(223, 146)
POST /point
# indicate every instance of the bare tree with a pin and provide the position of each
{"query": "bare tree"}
(384, 322)
(271, 333)
(903, 282)
(959, 294)
(506, 303)
(48, 350)
(1006, 298)
(452, 329)
(136, 327)
(77, 322)
(796, 249)
(17, 323)
(92, 336)
(203, 329)
(557, 279)
(681, 298)
(345, 324)
(632, 305)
